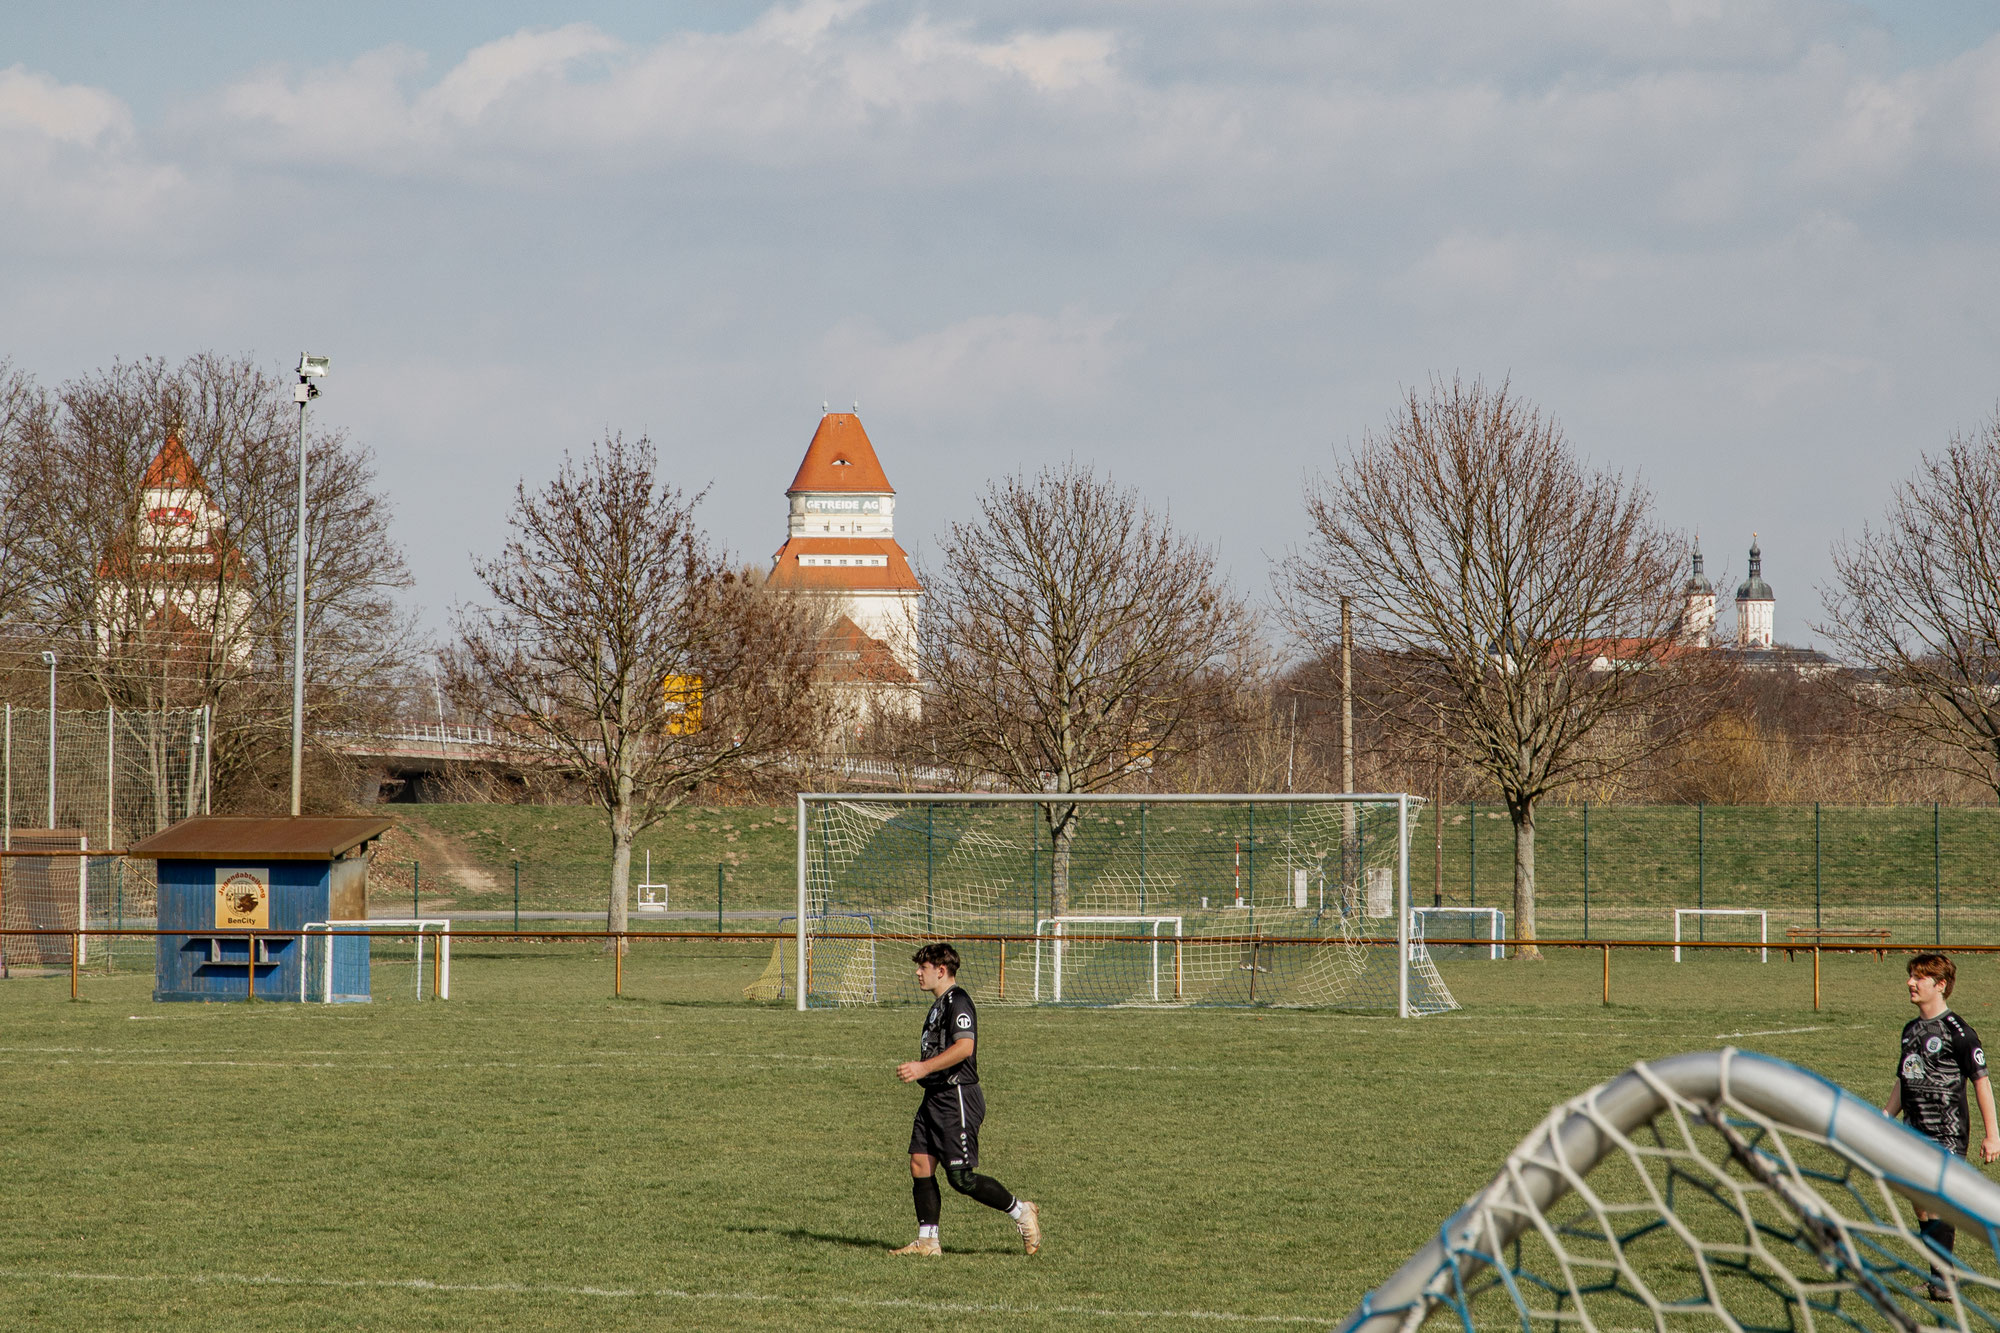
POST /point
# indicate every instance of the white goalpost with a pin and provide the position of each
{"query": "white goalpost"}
(1106, 899)
(1495, 919)
(319, 962)
(1763, 925)
(1062, 931)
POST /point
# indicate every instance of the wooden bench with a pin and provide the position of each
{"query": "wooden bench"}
(1797, 937)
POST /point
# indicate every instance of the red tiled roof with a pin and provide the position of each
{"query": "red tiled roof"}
(895, 575)
(850, 653)
(840, 458)
(172, 469)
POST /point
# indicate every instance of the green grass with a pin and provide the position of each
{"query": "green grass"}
(539, 1155)
(565, 856)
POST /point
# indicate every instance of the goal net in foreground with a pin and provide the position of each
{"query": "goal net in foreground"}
(1715, 1190)
(1109, 900)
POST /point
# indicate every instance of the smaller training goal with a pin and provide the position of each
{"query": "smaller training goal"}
(1105, 954)
(1700, 914)
(337, 957)
(1429, 924)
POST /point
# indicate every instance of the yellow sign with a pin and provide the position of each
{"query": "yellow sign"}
(243, 899)
(683, 695)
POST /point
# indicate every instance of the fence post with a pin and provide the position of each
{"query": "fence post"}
(1701, 866)
(618, 965)
(1586, 869)
(1472, 855)
(72, 964)
(1607, 974)
(416, 871)
(1816, 886)
(1815, 978)
(517, 895)
(1937, 880)
(718, 897)
(930, 846)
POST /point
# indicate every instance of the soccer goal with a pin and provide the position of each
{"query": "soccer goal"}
(1112, 899)
(336, 966)
(1713, 1190)
(1081, 946)
(1701, 915)
(1459, 923)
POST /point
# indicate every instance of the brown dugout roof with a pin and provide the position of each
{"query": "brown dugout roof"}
(281, 838)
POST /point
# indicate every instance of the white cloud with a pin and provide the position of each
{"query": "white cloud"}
(65, 112)
(976, 365)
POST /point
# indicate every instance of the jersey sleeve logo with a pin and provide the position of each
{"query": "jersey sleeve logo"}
(964, 1021)
(1979, 1056)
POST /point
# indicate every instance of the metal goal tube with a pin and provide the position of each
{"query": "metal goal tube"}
(1763, 926)
(1916, 1167)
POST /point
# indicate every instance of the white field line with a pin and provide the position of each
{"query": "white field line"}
(1766, 1032)
(656, 1293)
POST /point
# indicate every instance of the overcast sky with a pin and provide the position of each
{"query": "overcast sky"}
(1746, 249)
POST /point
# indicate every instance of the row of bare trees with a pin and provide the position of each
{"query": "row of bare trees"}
(164, 581)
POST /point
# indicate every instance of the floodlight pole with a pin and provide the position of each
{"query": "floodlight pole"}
(50, 658)
(310, 368)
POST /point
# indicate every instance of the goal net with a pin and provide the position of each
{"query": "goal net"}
(1734, 925)
(1714, 1190)
(1101, 900)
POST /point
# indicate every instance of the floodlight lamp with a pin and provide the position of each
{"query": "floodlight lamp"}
(48, 658)
(313, 367)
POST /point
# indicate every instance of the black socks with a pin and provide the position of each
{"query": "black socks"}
(930, 1204)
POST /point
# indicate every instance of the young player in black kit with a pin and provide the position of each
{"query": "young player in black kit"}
(947, 1127)
(1940, 1055)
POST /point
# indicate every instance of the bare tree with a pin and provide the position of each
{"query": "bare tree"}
(157, 506)
(623, 651)
(1532, 603)
(1917, 602)
(1070, 640)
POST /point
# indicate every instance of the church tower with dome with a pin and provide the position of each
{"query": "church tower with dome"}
(1756, 608)
(1698, 624)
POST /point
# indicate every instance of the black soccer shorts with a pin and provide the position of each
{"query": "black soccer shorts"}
(947, 1125)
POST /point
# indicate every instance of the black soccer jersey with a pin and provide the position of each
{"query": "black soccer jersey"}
(950, 1018)
(1940, 1055)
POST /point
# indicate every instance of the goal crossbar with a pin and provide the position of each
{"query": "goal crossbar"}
(1763, 925)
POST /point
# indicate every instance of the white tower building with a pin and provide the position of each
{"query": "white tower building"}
(841, 544)
(1756, 608)
(1698, 625)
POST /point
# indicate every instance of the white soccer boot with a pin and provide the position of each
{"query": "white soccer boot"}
(1029, 1224)
(926, 1246)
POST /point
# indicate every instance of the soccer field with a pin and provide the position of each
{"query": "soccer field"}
(535, 1154)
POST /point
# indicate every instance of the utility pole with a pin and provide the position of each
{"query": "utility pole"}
(310, 369)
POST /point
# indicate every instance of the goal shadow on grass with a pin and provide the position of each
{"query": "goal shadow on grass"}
(859, 1242)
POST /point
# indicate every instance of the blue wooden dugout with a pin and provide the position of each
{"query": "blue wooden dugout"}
(223, 877)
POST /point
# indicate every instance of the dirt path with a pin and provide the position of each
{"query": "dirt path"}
(448, 868)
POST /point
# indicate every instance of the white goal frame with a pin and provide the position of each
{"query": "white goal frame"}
(1763, 926)
(1052, 926)
(1406, 806)
(439, 927)
(1420, 939)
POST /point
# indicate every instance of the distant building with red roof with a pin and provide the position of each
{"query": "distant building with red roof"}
(842, 544)
(175, 579)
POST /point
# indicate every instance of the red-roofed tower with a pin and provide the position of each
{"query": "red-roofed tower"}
(842, 539)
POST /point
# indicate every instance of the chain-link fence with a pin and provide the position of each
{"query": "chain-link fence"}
(96, 780)
(1922, 873)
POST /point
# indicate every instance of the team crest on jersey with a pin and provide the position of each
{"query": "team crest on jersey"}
(965, 1020)
(1913, 1067)
(1933, 1045)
